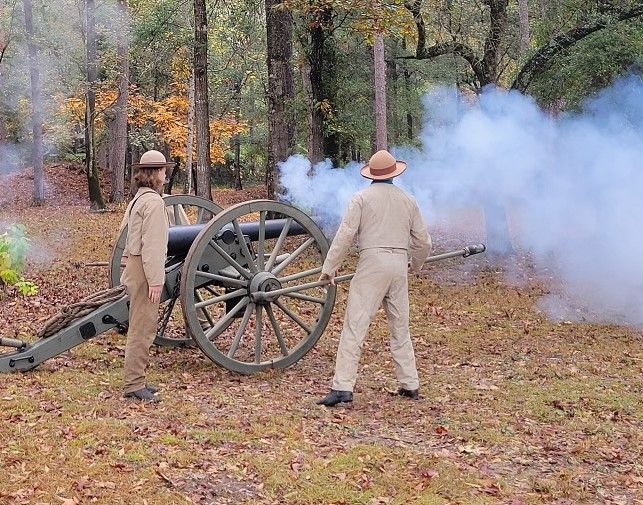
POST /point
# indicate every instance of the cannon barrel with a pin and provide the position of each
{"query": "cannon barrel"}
(180, 238)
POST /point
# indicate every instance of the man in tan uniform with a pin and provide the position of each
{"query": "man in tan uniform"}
(392, 239)
(144, 274)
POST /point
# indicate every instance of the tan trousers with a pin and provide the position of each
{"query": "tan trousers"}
(381, 277)
(143, 322)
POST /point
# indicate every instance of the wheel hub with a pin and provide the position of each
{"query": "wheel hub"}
(261, 285)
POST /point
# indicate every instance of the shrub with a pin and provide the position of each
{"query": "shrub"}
(13, 254)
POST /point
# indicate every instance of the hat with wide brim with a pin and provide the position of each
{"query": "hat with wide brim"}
(153, 159)
(382, 166)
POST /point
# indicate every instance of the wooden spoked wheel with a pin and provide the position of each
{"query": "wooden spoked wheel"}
(181, 210)
(233, 268)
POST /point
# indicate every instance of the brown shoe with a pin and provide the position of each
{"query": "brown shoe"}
(144, 395)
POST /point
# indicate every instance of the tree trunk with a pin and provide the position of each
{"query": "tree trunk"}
(523, 24)
(315, 139)
(497, 230)
(95, 196)
(494, 40)
(203, 182)
(323, 79)
(281, 90)
(236, 148)
(409, 114)
(136, 156)
(118, 130)
(36, 107)
(379, 67)
(190, 142)
(407, 100)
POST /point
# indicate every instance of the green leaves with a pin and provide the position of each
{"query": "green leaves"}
(13, 253)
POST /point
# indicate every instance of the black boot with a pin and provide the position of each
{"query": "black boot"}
(144, 395)
(413, 394)
(335, 397)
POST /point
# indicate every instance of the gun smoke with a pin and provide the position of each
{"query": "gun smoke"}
(571, 186)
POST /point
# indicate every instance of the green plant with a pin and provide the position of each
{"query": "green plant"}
(13, 253)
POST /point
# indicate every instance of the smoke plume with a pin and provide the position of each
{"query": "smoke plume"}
(571, 185)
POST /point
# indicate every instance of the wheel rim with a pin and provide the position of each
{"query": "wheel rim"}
(255, 332)
(196, 210)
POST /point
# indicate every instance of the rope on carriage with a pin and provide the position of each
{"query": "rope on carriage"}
(79, 309)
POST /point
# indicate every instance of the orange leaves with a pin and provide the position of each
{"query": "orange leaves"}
(166, 118)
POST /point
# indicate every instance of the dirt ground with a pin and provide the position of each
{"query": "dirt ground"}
(515, 409)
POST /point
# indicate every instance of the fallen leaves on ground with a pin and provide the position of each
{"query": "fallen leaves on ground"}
(515, 409)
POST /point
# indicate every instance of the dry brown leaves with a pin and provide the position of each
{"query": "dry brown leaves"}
(516, 409)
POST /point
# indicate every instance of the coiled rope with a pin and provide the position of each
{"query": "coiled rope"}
(79, 309)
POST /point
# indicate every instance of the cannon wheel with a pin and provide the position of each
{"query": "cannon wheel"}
(244, 336)
(196, 210)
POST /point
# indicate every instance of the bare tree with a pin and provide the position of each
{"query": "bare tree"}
(379, 67)
(36, 107)
(118, 124)
(203, 182)
(96, 201)
(190, 140)
(281, 89)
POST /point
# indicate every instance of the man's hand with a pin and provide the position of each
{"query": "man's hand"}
(328, 279)
(414, 272)
(154, 293)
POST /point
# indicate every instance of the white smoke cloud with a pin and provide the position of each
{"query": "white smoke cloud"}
(572, 185)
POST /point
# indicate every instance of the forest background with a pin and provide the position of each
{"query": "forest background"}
(233, 88)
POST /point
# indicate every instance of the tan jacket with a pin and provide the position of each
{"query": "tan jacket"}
(147, 233)
(382, 215)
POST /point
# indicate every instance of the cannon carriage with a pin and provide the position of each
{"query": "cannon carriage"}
(246, 280)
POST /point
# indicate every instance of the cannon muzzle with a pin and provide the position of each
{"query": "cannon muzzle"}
(474, 249)
(180, 238)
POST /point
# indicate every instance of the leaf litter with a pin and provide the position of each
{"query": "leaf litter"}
(515, 409)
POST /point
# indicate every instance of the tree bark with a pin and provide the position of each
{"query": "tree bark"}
(523, 24)
(493, 42)
(36, 107)
(407, 89)
(190, 141)
(118, 133)
(236, 149)
(93, 183)
(281, 90)
(379, 67)
(322, 58)
(203, 180)
(315, 137)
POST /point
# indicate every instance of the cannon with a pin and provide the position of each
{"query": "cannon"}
(246, 280)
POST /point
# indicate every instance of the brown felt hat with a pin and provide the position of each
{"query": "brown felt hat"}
(383, 165)
(153, 159)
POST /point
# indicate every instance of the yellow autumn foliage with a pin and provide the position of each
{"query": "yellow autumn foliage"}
(167, 118)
